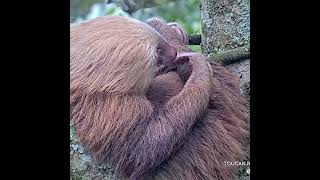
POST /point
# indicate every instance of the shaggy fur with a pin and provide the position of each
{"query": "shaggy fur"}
(180, 125)
(216, 138)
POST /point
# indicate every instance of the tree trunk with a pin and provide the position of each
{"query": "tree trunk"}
(226, 27)
(225, 24)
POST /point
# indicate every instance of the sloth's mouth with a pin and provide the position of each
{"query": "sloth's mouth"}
(163, 69)
(180, 60)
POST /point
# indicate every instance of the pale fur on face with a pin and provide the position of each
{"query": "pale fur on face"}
(112, 54)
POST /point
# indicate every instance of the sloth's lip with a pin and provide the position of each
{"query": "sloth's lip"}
(162, 69)
(182, 55)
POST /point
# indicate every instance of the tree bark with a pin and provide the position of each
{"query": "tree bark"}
(225, 24)
(225, 38)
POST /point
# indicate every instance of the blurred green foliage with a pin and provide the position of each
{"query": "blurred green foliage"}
(79, 8)
(185, 12)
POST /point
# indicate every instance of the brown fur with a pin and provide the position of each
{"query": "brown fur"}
(166, 128)
(220, 135)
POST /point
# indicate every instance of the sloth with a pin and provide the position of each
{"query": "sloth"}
(142, 102)
(229, 85)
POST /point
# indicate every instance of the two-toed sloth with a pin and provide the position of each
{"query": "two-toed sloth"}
(147, 113)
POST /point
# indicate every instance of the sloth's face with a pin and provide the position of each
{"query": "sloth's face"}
(166, 55)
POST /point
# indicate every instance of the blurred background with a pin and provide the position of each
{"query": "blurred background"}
(185, 12)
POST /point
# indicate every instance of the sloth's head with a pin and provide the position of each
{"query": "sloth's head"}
(116, 55)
